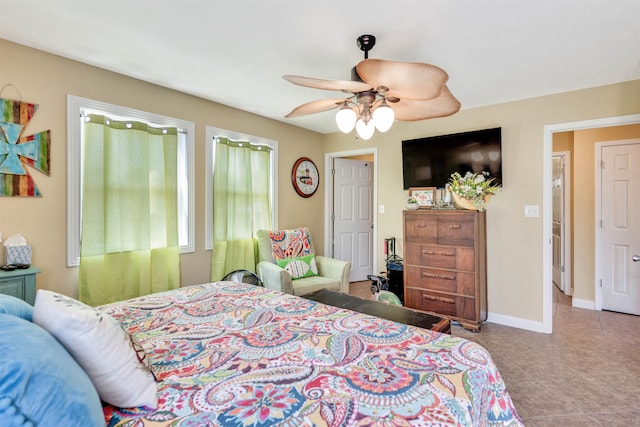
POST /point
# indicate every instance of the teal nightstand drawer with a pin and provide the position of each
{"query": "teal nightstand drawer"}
(13, 287)
(19, 283)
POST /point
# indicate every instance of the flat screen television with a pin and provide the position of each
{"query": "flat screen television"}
(430, 161)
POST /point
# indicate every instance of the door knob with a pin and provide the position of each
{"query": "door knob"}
(636, 258)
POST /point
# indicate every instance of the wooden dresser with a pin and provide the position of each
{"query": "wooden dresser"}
(445, 264)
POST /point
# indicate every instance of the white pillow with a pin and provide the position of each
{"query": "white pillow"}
(101, 346)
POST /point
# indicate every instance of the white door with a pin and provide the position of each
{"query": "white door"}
(556, 192)
(561, 226)
(620, 212)
(353, 215)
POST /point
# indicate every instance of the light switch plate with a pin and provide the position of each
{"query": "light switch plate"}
(531, 211)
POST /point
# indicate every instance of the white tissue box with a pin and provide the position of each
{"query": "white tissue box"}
(18, 254)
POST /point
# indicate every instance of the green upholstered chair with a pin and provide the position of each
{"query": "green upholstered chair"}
(285, 245)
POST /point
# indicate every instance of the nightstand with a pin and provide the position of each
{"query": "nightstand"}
(20, 283)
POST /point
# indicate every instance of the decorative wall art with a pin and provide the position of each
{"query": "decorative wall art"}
(18, 150)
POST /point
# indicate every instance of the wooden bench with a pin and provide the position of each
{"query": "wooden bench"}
(385, 311)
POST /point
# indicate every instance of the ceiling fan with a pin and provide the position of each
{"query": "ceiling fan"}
(416, 91)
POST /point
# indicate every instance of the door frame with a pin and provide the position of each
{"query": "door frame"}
(547, 214)
(567, 222)
(328, 197)
(598, 214)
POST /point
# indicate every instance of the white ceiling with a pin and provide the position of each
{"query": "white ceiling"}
(235, 52)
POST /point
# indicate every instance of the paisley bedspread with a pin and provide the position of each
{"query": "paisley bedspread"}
(231, 354)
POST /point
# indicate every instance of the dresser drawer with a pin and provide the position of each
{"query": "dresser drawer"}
(14, 286)
(421, 229)
(20, 283)
(452, 257)
(448, 305)
(457, 282)
(457, 230)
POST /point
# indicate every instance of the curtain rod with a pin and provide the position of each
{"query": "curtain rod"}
(180, 130)
(243, 141)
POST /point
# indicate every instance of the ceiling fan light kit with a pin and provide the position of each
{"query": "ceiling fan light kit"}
(346, 118)
(416, 90)
(364, 129)
(383, 116)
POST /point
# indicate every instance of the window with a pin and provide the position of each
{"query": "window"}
(211, 134)
(78, 107)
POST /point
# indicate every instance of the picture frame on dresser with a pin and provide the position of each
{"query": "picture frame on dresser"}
(425, 196)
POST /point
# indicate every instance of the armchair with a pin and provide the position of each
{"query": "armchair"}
(283, 252)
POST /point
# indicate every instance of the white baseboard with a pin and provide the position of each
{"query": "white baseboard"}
(583, 303)
(530, 325)
(516, 322)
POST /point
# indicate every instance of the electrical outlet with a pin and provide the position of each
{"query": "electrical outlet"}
(381, 209)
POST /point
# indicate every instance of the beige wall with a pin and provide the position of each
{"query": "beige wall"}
(47, 80)
(514, 242)
(514, 246)
(563, 141)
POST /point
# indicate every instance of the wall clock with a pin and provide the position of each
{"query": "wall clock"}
(304, 177)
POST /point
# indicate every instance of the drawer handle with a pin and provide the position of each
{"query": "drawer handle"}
(439, 299)
(455, 226)
(420, 225)
(439, 276)
(429, 252)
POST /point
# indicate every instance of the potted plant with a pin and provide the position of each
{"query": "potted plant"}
(473, 190)
(412, 203)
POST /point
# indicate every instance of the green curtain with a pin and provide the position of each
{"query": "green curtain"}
(241, 204)
(129, 241)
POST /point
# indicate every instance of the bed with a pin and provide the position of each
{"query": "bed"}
(233, 354)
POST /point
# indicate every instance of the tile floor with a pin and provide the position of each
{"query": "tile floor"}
(587, 373)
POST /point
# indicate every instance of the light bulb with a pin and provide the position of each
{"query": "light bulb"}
(346, 118)
(365, 130)
(383, 117)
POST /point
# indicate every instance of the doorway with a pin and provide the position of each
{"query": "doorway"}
(360, 248)
(547, 214)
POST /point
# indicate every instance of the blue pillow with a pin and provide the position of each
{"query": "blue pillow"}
(40, 383)
(16, 307)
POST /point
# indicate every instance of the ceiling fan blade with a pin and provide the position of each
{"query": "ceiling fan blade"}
(409, 110)
(405, 80)
(341, 85)
(316, 107)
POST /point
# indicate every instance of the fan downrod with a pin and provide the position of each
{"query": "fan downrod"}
(366, 42)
